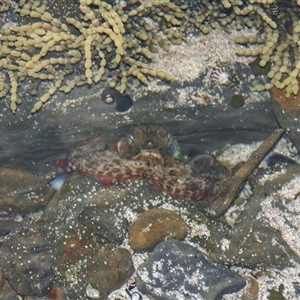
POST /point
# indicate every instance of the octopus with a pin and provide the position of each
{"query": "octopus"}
(151, 153)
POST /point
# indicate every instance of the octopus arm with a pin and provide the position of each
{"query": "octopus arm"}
(187, 186)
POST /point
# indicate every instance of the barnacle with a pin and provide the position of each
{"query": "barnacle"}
(220, 75)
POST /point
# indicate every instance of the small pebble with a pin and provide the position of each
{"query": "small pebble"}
(237, 101)
(136, 296)
(154, 226)
(91, 292)
(107, 224)
(124, 103)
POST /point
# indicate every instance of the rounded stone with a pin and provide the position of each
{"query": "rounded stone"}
(154, 226)
(176, 270)
(237, 101)
(108, 270)
(124, 103)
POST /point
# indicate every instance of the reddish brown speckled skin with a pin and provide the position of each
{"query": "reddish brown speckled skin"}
(148, 156)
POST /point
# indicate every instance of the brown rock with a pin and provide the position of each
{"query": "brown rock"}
(1, 280)
(7, 291)
(154, 226)
(55, 293)
(25, 188)
(252, 291)
(290, 105)
(109, 269)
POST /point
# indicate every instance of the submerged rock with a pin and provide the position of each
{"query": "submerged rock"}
(24, 188)
(107, 223)
(109, 269)
(27, 260)
(154, 226)
(175, 270)
(265, 231)
(72, 118)
(76, 246)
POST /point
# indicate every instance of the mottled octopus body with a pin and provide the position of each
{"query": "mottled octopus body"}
(150, 153)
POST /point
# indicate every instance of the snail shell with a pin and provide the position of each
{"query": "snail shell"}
(110, 95)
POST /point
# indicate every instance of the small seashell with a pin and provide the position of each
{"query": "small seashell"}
(123, 145)
(273, 10)
(136, 296)
(110, 95)
(91, 292)
(58, 181)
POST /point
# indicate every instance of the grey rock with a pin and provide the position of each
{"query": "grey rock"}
(175, 270)
(108, 224)
(60, 221)
(7, 291)
(27, 260)
(7, 225)
(68, 119)
(253, 240)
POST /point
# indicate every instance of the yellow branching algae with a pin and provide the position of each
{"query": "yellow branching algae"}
(280, 48)
(103, 41)
(113, 40)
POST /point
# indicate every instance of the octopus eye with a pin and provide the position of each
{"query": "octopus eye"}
(202, 163)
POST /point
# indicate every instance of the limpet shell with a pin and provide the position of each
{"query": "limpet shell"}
(136, 296)
(91, 292)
